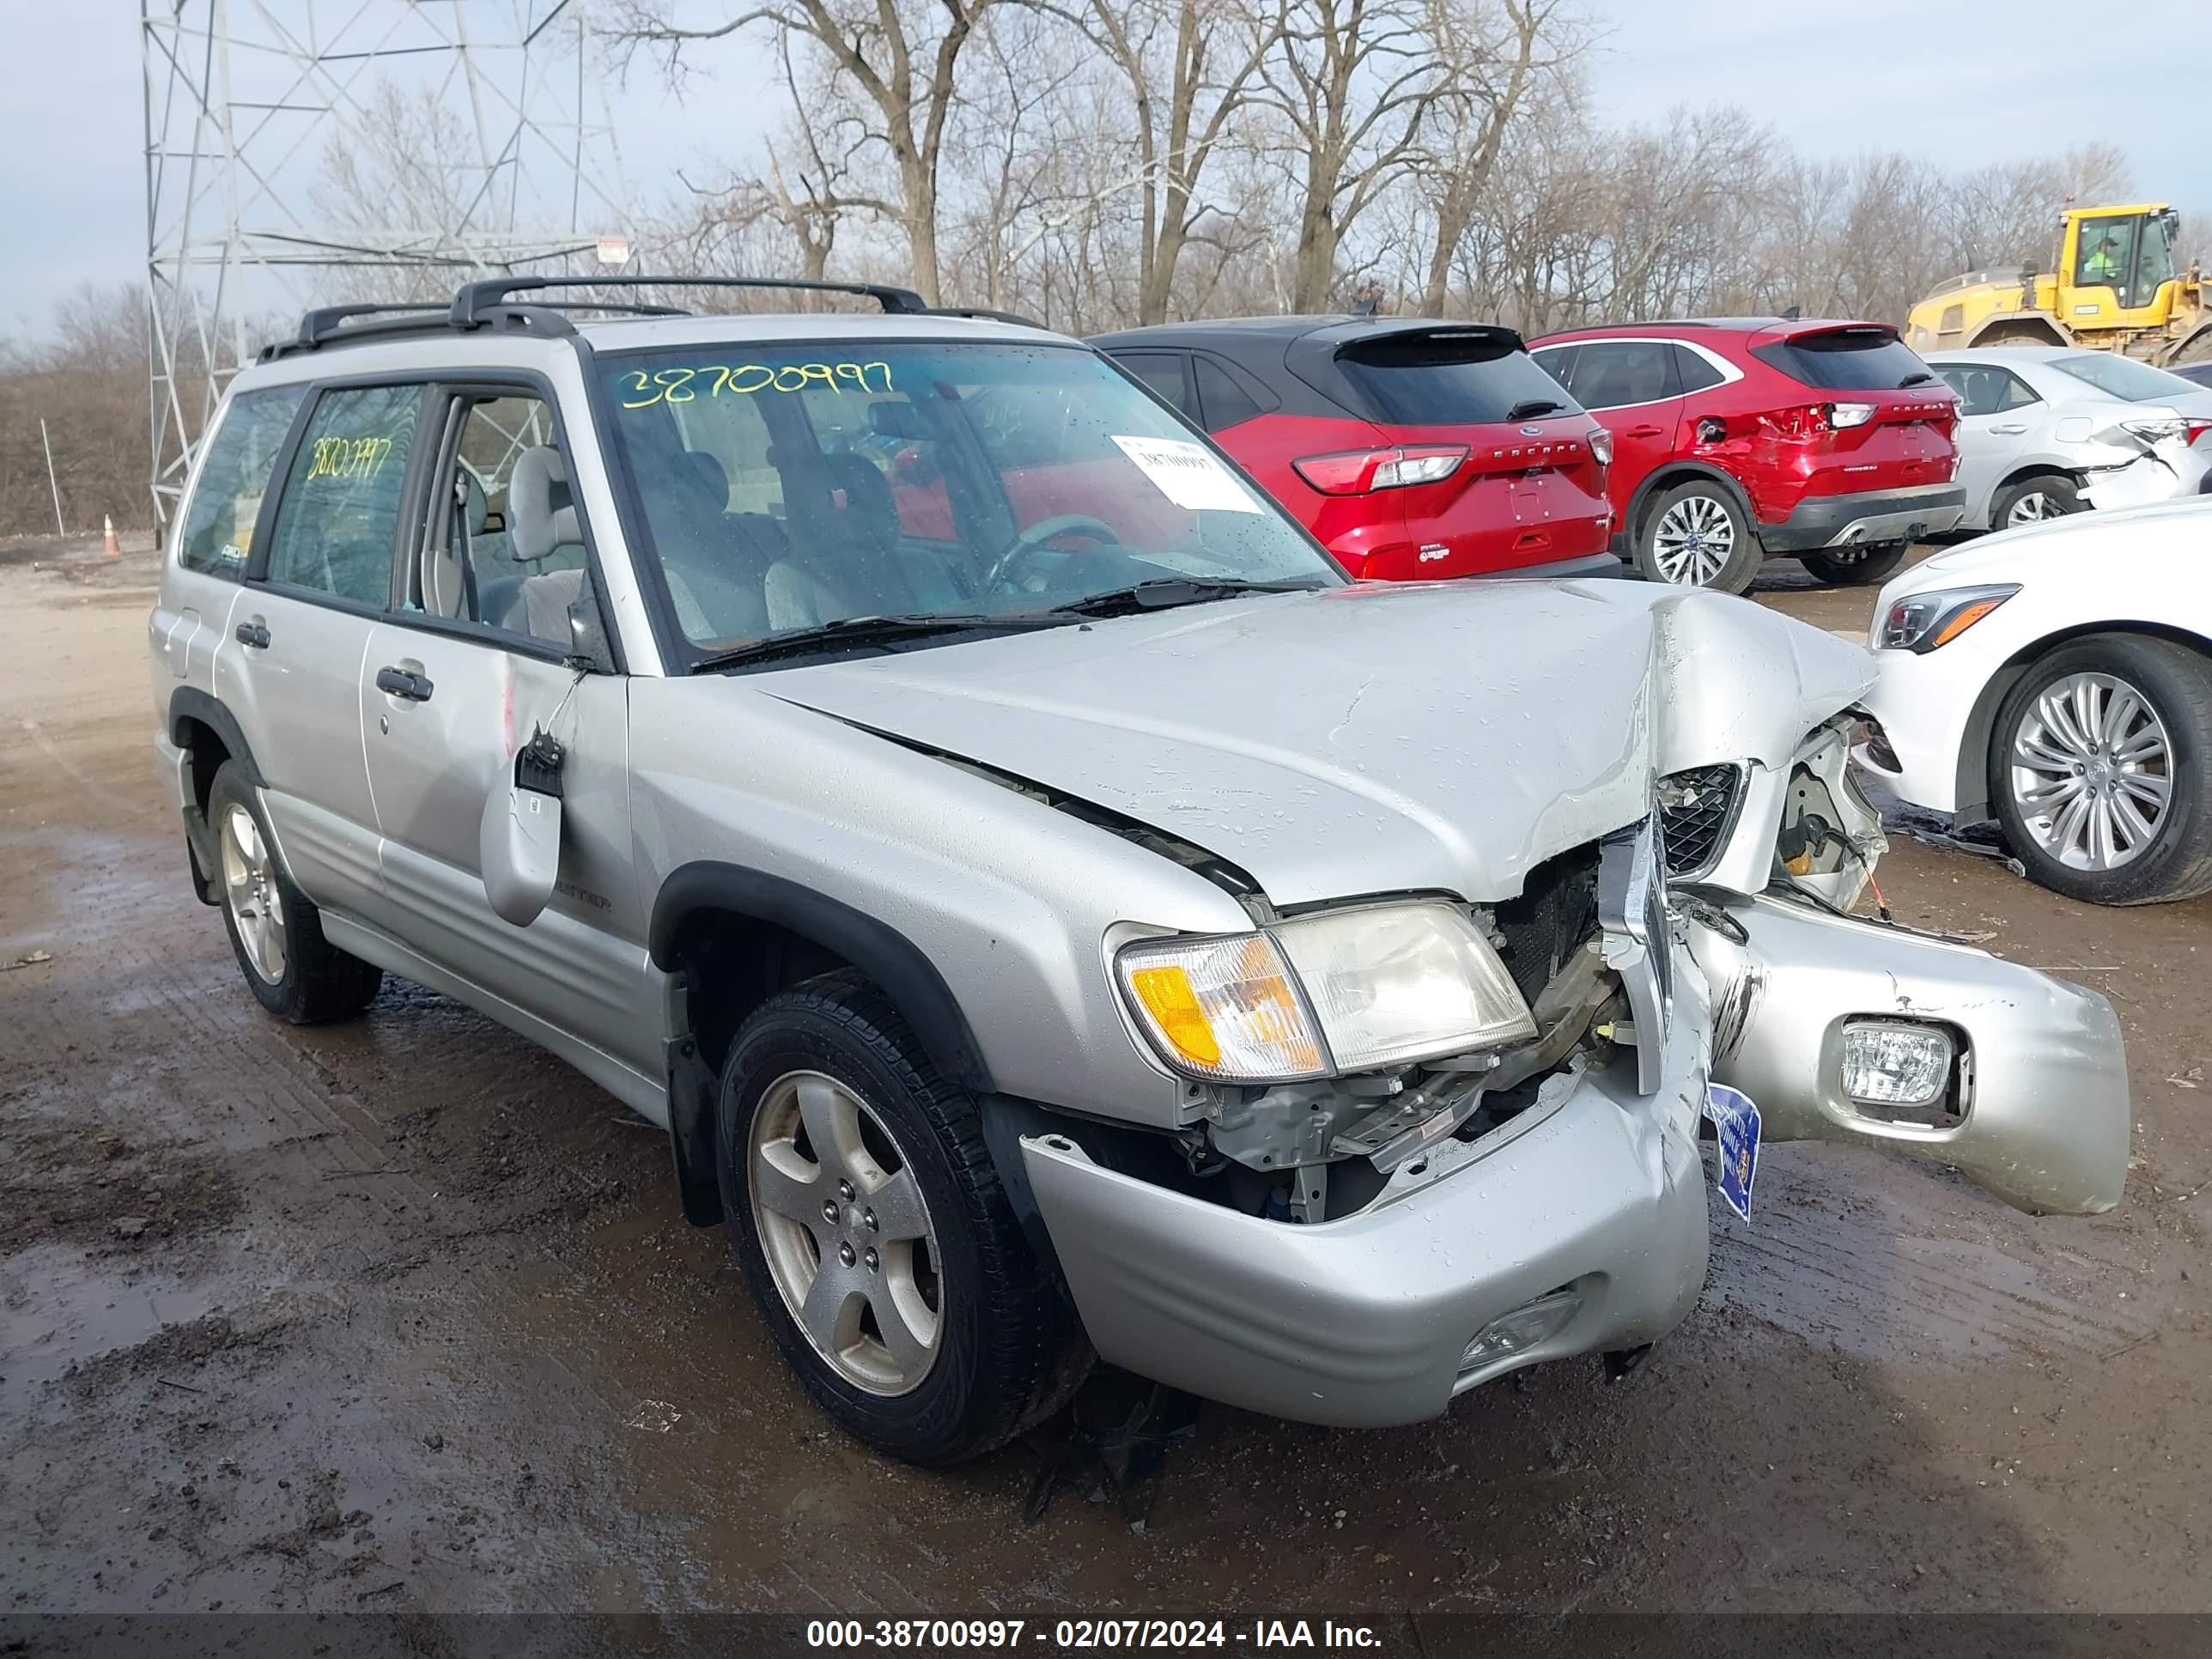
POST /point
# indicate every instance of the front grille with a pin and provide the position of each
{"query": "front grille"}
(1556, 911)
(1697, 810)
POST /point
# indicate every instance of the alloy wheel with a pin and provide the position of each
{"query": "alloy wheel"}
(2092, 771)
(1693, 541)
(2031, 508)
(249, 893)
(845, 1232)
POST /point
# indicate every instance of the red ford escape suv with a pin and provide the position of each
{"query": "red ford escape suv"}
(1414, 450)
(1740, 437)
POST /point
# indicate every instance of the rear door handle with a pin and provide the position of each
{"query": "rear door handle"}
(253, 634)
(2009, 431)
(1645, 431)
(414, 687)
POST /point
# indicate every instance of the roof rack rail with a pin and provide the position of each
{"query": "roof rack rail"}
(476, 299)
(985, 315)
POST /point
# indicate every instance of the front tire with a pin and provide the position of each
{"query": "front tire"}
(2031, 501)
(869, 1225)
(1854, 567)
(1696, 535)
(2098, 766)
(275, 932)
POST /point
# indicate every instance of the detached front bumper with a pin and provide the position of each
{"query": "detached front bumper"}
(1366, 1320)
(1868, 519)
(2037, 1112)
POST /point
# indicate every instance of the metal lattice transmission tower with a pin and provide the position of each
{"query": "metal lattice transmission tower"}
(311, 151)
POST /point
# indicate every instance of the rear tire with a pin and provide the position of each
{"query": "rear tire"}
(2115, 808)
(2030, 501)
(275, 931)
(1854, 567)
(1695, 535)
(834, 1137)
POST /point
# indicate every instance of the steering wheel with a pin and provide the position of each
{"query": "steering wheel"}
(1033, 540)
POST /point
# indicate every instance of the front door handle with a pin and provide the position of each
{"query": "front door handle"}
(253, 634)
(414, 687)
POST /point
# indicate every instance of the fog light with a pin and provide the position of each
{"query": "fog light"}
(1518, 1332)
(1889, 1063)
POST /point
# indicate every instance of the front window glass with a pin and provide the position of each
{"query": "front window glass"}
(784, 488)
(2122, 377)
(339, 524)
(2103, 251)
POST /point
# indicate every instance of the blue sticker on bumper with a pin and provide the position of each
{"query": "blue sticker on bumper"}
(1735, 1124)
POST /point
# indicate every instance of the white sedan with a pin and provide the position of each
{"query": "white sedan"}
(2045, 431)
(2058, 678)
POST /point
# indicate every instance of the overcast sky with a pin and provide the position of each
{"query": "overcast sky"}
(2002, 82)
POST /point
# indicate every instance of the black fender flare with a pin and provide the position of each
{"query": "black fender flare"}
(894, 961)
(188, 703)
(1680, 472)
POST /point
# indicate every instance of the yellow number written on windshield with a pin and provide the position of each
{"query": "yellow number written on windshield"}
(648, 386)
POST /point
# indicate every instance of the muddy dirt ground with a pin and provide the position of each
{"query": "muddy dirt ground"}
(400, 1315)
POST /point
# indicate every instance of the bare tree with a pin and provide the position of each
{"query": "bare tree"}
(1189, 67)
(902, 57)
(1350, 82)
(1492, 57)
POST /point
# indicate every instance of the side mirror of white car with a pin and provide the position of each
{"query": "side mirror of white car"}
(519, 838)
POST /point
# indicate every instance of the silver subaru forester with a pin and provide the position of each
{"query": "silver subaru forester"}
(1054, 912)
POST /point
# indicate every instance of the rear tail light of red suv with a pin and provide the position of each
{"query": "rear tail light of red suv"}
(1357, 471)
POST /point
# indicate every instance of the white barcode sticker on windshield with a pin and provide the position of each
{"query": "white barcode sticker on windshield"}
(1188, 475)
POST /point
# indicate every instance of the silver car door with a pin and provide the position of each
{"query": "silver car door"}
(290, 668)
(483, 650)
(1997, 412)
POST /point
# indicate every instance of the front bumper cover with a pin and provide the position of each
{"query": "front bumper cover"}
(2044, 1124)
(1364, 1321)
(1866, 518)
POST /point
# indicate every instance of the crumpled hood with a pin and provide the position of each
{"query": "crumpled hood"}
(1373, 739)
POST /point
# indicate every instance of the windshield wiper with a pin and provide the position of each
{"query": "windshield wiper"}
(1923, 378)
(1528, 407)
(865, 631)
(1164, 593)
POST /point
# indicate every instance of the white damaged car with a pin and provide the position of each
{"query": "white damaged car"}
(1053, 911)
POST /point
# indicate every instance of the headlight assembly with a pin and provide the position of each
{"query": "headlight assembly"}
(1347, 991)
(1919, 623)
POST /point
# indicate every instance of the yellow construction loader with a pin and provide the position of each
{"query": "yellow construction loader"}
(2115, 289)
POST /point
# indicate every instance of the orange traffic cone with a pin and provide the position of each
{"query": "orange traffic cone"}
(109, 544)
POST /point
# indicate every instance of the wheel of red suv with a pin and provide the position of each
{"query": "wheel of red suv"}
(1696, 535)
(275, 933)
(2030, 501)
(2098, 766)
(1853, 567)
(871, 1229)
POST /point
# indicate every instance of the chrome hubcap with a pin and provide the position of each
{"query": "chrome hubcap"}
(2092, 771)
(1693, 541)
(2031, 508)
(846, 1233)
(249, 893)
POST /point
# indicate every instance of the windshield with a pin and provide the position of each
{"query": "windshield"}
(786, 489)
(2122, 377)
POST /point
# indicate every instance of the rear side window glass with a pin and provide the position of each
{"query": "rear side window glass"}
(1559, 363)
(1614, 374)
(218, 532)
(1447, 379)
(339, 523)
(1848, 359)
(1162, 372)
(1226, 402)
(1985, 391)
(2122, 377)
(1694, 372)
